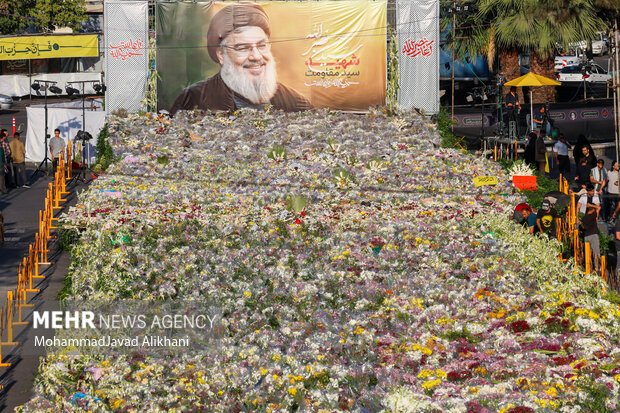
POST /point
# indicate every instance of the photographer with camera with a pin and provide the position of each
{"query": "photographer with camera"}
(57, 146)
(541, 119)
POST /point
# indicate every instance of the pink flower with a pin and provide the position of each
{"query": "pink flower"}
(95, 371)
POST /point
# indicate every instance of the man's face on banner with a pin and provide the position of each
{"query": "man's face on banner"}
(248, 66)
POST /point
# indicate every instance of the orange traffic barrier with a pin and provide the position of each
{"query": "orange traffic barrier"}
(8, 319)
(28, 270)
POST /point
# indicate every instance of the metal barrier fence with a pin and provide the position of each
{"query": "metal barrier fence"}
(11, 314)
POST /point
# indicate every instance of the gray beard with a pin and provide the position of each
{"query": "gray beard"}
(257, 91)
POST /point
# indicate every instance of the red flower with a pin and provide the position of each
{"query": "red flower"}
(519, 326)
(458, 375)
(298, 221)
(303, 213)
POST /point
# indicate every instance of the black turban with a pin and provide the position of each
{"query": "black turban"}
(232, 17)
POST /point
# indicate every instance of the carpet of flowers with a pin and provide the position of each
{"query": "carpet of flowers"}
(357, 266)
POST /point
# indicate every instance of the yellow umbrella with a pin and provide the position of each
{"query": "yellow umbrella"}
(532, 79)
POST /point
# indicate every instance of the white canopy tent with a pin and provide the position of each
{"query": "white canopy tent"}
(68, 118)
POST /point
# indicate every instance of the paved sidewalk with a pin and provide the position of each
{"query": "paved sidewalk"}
(20, 208)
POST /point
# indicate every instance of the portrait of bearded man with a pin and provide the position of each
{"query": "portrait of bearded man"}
(238, 39)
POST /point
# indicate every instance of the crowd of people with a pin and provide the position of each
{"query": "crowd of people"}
(596, 190)
(12, 162)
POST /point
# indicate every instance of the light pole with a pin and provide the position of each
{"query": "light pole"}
(82, 135)
(36, 86)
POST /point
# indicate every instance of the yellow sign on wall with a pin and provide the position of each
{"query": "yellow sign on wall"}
(47, 47)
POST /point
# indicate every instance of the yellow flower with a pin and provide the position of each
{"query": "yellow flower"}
(431, 383)
(292, 391)
(425, 374)
(552, 391)
(247, 294)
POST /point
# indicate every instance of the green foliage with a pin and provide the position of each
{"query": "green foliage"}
(67, 237)
(49, 14)
(391, 96)
(605, 241)
(543, 185)
(163, 159)
(612, 297)
(464, 334)
(11, 12)
(444, 126)
(277, 153)
(105, 155)
(296, 203)
(596, 395)
(150, 100)
(508, 26)
(506, 164)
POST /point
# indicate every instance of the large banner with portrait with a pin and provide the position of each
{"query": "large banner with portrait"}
(418, 59)
(292, 55)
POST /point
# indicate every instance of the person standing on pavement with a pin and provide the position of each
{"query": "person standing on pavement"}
(7, 157)
(530, 149)
(2, 171)
(578, 151)
(19, 160)
(541, 120)
(57, 146)
(560, 150)
(512, 105)
(613, 188)
(590, 232)
(598, 176)
(589, 199)
(541, 153)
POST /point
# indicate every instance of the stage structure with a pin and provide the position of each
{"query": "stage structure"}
(68, 118)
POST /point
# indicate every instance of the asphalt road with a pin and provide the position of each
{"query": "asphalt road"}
(20, 209)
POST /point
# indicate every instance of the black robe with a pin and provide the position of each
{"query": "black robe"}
(213, 94)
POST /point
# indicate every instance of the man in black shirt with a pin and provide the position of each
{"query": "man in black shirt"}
(582, 172)
(546, 220)
(512, 104)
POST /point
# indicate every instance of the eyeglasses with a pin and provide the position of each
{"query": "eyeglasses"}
(246, 48)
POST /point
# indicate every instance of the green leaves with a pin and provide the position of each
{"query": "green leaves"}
(11, 15)
(49, 14)
(296, 203)
(277, 153)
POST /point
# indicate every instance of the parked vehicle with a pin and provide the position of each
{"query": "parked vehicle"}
(592, 73)
(6, 102)
(600, 45)
(568, 60)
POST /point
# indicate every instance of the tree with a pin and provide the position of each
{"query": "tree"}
(536, 26)
(14, 15)
(49, 14)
